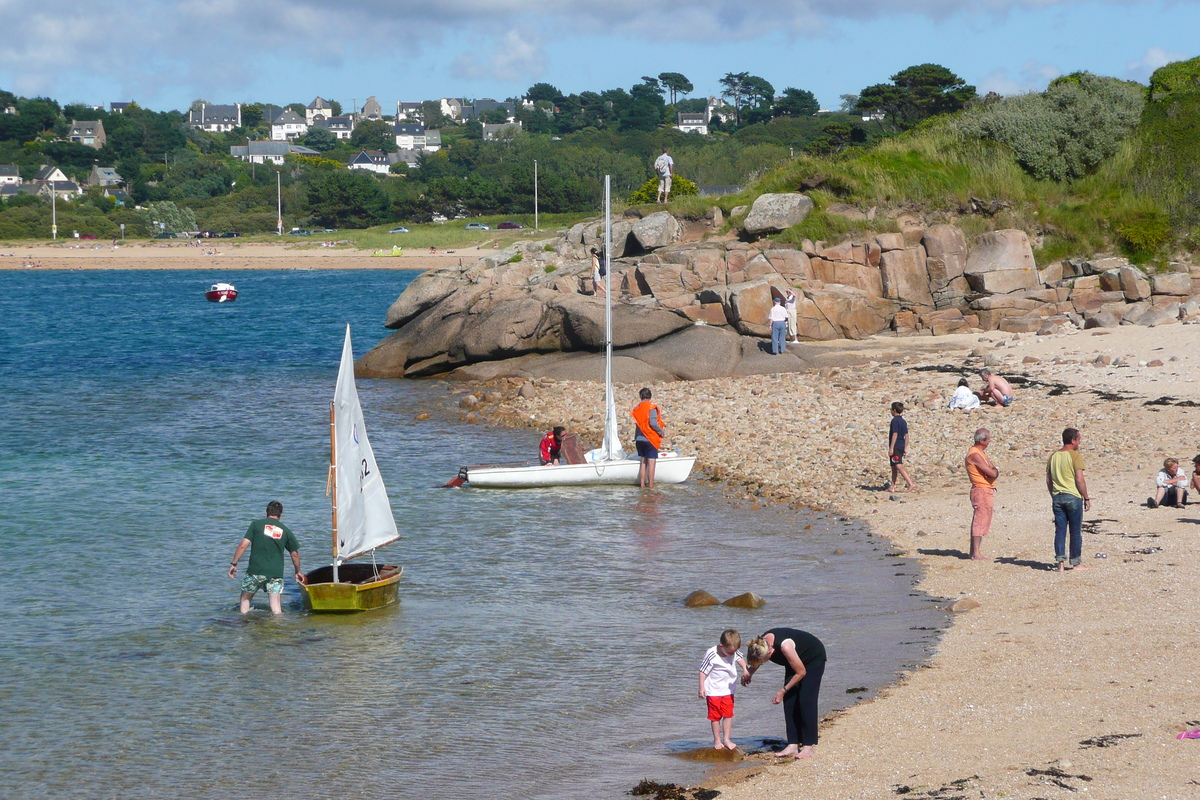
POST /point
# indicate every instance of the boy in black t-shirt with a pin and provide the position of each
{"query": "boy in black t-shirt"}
(897, 444)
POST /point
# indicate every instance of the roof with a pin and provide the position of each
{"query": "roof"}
(107, 173)
(9, 171)
(86, 126)
(343, 123)
(408, 129)
(214, 115)
(686, 118)
(288, 117)
(433, 137)
(370, 157)
(270, 149)
(45, 172)
(118, 104)
(318, 103)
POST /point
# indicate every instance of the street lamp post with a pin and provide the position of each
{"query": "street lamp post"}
(535, 195)
(53, 213)
(279, 203)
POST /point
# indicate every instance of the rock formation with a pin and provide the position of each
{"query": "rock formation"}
(688, 309)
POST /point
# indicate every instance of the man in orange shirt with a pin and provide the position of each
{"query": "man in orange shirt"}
(983, 474)
(648, 437)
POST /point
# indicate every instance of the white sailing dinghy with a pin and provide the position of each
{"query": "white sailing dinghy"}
(608, 465)
(362, 515)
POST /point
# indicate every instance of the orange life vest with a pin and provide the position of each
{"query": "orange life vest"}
(641, 415)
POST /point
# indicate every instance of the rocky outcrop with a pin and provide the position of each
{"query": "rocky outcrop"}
(699, 309)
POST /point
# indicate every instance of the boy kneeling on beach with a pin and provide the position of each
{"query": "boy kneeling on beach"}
(718, 677)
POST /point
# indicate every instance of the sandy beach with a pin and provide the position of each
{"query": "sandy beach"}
(1053, 684)
(219, 254)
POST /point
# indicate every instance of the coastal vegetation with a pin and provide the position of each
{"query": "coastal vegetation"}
(1089, 164)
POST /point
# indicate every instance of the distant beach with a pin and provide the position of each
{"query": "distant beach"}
(1077, 680)
(218, 254)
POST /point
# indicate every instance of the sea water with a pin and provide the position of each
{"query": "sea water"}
(541, 648)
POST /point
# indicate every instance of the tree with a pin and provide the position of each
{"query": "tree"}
(374, 135)
(758, 90)
(252, 115)
(495, 116)
(335, 108)
(299, 108)
(431, 114)
(676, 84)
(346, 199)
(849, 103)
(320, 139)
(652, 83)
(198, 103)
(916, 93)
(796, 103)
(542, 91)
(735, 91)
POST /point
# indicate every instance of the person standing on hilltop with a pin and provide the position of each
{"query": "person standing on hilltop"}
(648, 437)
(664, 167)
(983, 474)
(1068, 498)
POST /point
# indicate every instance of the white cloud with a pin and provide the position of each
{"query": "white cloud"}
(1152, 59)
(517, 56)
(1033, 77)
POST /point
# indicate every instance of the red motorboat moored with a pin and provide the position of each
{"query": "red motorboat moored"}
(221, 293)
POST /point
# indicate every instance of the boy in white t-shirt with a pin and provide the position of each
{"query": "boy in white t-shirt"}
(718, 677)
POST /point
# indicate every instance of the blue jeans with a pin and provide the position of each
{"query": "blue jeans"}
(1068, 510)
(779, 336)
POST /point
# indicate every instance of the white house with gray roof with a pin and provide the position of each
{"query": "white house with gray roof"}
(269, 152)
(319, 108)
(104, 176)
(216, 118)
(10, 175)
(286, 125)
(341, 127)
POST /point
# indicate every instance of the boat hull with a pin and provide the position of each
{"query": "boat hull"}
(221, 295)
(670, 469)
(358, 588)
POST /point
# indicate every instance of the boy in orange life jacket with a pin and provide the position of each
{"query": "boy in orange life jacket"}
(648, 437)
(551, 445)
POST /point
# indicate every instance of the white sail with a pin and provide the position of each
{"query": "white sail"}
(611, 449)
(364, 515)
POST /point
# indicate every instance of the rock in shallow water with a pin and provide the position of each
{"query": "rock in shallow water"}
(699, 599)
(746, 600)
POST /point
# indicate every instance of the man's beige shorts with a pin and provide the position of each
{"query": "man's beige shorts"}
(664, 184)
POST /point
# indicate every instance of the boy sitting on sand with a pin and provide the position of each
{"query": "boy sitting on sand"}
(1171, 486)
(718, 677)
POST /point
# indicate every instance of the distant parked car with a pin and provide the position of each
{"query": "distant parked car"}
(228, 235)
(478, 226)
(328, 230)
(164, 235)
(299, 232)
(400, 229)
(510, 226)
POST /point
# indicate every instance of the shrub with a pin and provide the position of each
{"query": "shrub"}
(1065, 132)
(516, 259)
(550, 268)
(1144, 231)
(1180, 76)
(648, 191)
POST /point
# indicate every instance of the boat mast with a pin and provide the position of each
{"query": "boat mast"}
(611, 439)
(333, 485)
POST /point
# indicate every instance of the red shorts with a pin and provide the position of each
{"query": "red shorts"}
(720, 707)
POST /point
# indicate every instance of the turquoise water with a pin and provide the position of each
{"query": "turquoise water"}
(540, 649)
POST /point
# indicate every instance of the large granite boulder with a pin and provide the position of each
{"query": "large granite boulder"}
(905, 277)
(1001, 262)
(1173, 283)
(426, 290)
(776, 212)
(695, 353)
(757, 359)
(853, 313)
(583, 322)
(946, 250)
(791, 264)
(747, 306)
(657, 230)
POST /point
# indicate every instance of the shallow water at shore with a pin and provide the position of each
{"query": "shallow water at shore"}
(540, 650)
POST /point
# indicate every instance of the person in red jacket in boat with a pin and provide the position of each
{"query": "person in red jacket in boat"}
(551, 445)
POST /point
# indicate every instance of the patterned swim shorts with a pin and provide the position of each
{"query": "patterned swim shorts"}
(252, 583)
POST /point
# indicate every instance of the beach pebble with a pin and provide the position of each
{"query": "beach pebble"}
(527, 391)
(965, 604)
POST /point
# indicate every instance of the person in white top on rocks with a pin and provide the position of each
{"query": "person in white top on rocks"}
(664, 168)
(963, 397)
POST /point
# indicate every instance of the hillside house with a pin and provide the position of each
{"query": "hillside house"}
(216, 118)
(452, 107)
(89, 133)
(485, 104)
(409, 112)
(269, 152)
(341, 127)
(317, 109)
(62, 190)
(692, 123)
(286, 125)
(374, 161)
(48, 173)
(10, 175)
(104, 176)
(119, 106)
(501, 131)
(371, 110)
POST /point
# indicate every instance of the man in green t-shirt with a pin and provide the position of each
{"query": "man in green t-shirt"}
(1069, 498)
(267, 539)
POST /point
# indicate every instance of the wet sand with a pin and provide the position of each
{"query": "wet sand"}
(1079, 680)
(219, 254)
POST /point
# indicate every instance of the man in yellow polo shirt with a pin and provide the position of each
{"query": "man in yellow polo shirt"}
(1069, 498)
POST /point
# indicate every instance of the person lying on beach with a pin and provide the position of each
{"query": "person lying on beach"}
(995, 389)
(1171, 486)
(963, 397)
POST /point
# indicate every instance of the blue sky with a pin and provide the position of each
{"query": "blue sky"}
(165, 53)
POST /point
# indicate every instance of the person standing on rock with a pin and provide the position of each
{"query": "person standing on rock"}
(995, 389)
(664, 168)
(983, 474)
(1068, 498)
(598, 284)
(802, 657)
(789, 305)
(778, 318)
(897, 444)
(648, 437)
